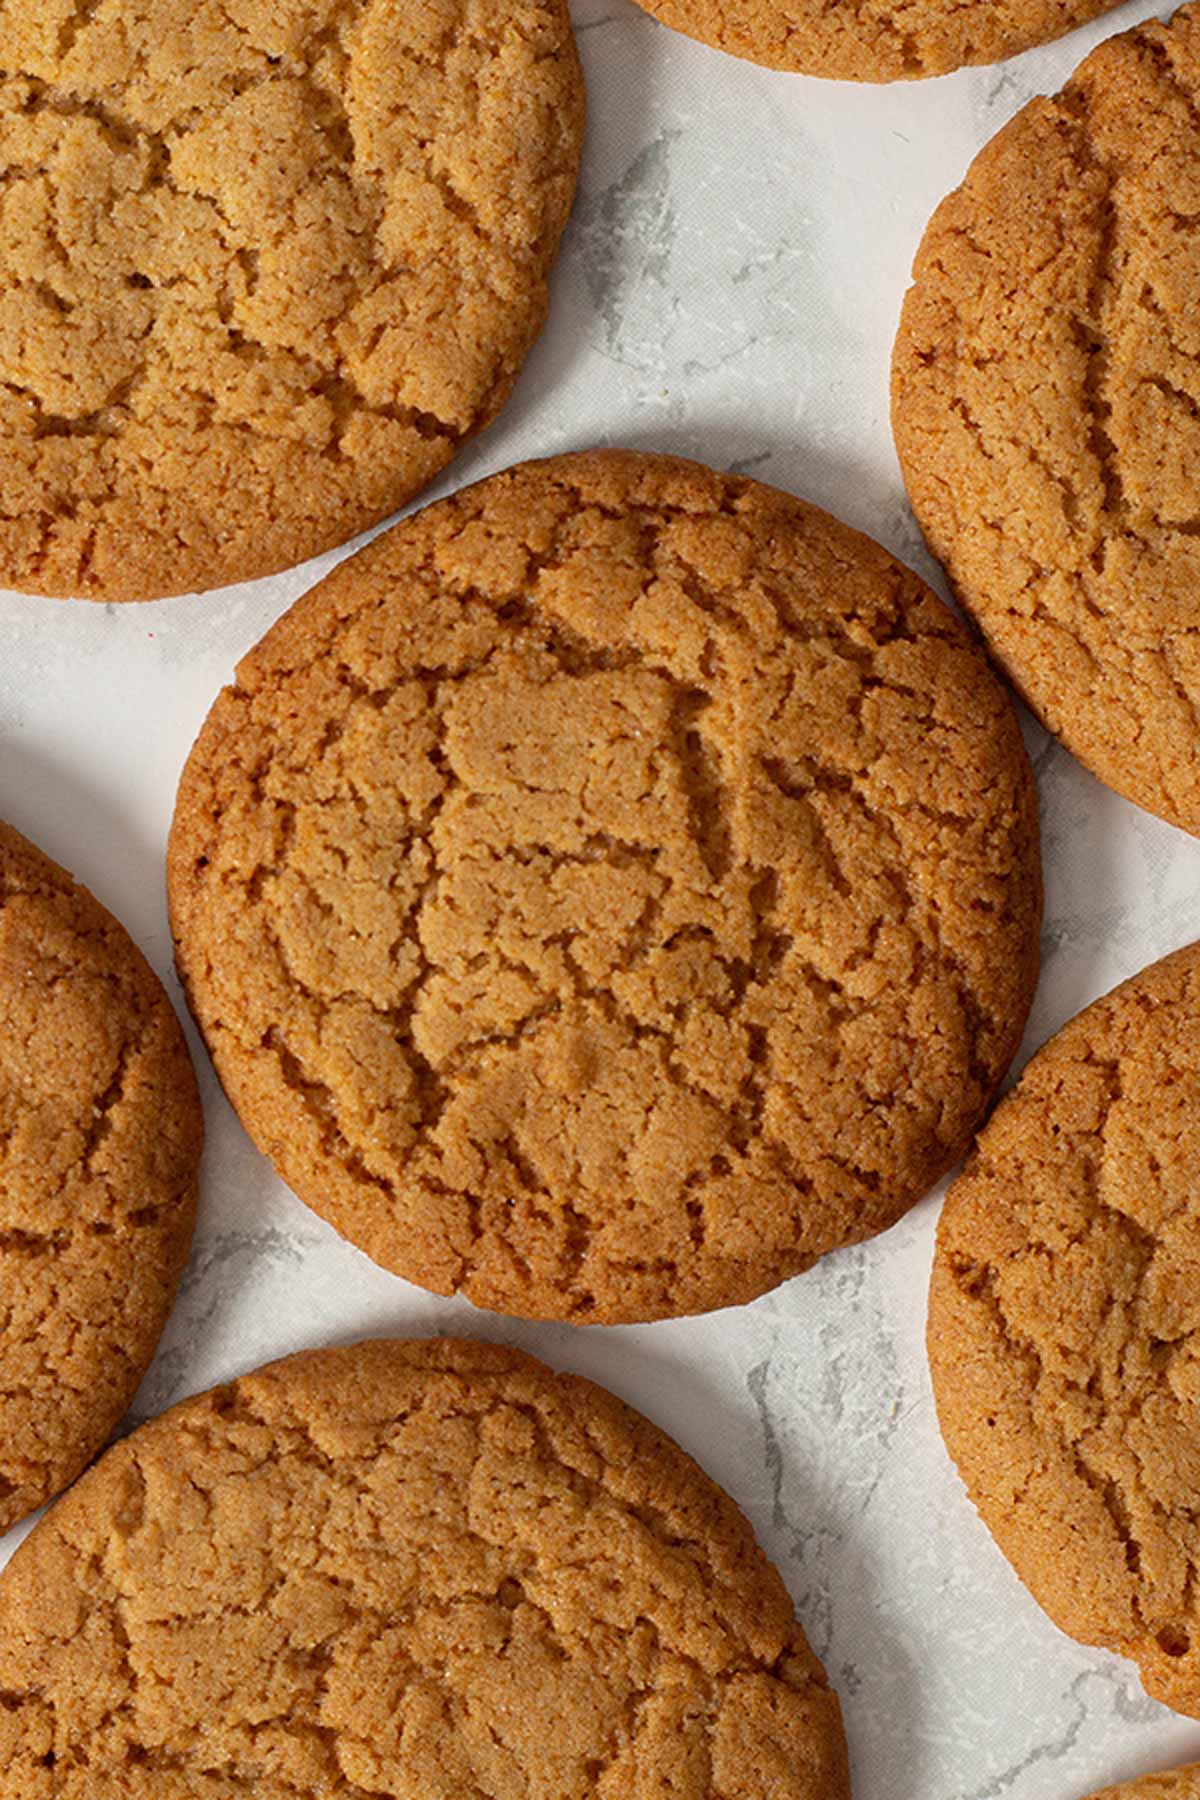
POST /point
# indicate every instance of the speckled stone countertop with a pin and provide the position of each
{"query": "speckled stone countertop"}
(728, 289)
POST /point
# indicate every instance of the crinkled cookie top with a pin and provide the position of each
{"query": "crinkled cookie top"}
(405, 1568)
(263, 265)
(611, 890)
(1047, 408)
(100, 1131)
(1064, 1326)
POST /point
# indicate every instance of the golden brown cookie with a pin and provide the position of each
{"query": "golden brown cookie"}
(264, 264)
(1046, 401)
(1168, 1784)
(874, 40)
(609, 891)
(1064, 1326)
(429, 1568)
(100, 1131)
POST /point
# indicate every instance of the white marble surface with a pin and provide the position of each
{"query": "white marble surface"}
(729, 288)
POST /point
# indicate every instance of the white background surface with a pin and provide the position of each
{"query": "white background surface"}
(729, 288)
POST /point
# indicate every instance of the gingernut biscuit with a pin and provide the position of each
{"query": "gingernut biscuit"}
(1168, 1784)
(1064, 1326)
(611, 890)
(100, 1132)
(1046, 403)
(405, 1568)
(874, 40)
(264, 264)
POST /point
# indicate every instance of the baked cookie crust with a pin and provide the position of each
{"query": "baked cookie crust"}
(874, 40)
(1064, 1321)
(100, 1135)
(611, 890)
(264, 265)
(1046, 403)
(401, 1568)
(1167, 1784)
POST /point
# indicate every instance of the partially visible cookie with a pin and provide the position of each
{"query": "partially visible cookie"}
(1046, 402)
(1168, 1784)
(100, 1134)
(1064, 1326)
(264, 265)
(874, 40)
(611, 890)
(431, 1569)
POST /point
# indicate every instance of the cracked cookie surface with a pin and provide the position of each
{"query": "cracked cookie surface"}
(611, 890)
(1064, 1326)
(264, 264)
(100, 1132)
(427, 1568)
(1046, 403)
(874, 40)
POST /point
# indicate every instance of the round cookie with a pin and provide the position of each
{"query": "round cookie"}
(610, 890)
(264, 264)
(100, 1133)
(1168, 1784)
(405, 1568)
(874, 40)
(1046, 403)
(1064, 1326)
